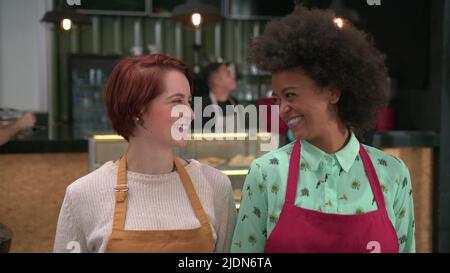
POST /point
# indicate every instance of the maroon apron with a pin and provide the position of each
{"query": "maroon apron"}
(304, 230)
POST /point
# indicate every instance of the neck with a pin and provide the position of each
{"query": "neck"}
(144, 156)
(221, 95)
(333, 140)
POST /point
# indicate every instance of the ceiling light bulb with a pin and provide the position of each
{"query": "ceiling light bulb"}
(196, 19)
(339, 22)
(66, 24)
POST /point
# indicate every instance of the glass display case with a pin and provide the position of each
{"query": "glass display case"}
(87, 79)
(231, 153)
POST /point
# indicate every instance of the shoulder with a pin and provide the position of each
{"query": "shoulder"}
(271, 164)
(95, 182)
(391, 170)
(274, 157)
(218, 180)
(382, 158)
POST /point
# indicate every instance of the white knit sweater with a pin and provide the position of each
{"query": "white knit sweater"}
(155, 202)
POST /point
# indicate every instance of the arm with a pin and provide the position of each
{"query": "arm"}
(9, 131)
(250, 234)
(404, 214)
(69, 237)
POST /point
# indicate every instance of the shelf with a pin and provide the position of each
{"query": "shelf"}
(387, 139)
(236, 172)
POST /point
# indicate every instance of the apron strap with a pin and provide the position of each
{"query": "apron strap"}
(121, 193)
(190, 190)
(294, 170)
(373, 178)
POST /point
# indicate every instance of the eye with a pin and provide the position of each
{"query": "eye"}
(178, 101)
(289, 95)
(277, 100)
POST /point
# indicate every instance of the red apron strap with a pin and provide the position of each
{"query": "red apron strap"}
(294, 168)
(373, 178)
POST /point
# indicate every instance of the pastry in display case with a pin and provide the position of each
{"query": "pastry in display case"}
(241, 161)
(212, 161)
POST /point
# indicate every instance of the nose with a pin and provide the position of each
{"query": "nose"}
(284, 108)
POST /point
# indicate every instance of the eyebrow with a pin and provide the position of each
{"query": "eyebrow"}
(179, 95)
(287, 89)
(284, 90)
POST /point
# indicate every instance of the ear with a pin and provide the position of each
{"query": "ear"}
(335, 95)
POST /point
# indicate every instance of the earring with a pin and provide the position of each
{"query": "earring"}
(139, 121)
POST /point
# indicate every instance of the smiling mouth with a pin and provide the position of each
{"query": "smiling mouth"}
(295, 121)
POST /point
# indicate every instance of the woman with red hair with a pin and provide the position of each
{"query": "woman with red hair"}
(149, 200)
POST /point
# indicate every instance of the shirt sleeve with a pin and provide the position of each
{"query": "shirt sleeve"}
(404, 214)
(250, 234)
(68, 238)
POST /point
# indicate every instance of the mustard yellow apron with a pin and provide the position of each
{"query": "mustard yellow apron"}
(197, 240)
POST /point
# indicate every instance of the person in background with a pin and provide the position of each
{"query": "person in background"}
(149, 200)
(324, 192)
(7, 132)
(221, 82)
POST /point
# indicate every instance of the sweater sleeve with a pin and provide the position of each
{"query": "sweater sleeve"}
(69, 237)
(227, 221)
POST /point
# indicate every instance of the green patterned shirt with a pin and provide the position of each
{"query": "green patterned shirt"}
(330, 183)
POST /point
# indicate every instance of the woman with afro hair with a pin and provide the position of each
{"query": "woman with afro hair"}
(324, 192)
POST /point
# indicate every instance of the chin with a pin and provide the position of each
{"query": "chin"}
(300, 134)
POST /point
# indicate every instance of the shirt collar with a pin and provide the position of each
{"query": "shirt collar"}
(345, 156)
(311, 154)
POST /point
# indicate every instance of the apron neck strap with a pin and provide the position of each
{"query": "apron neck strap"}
(190, 190)
(373, 178)
(294, 170)
(121, 194)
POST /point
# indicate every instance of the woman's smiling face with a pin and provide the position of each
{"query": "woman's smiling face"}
(306, 107)
(158, 116)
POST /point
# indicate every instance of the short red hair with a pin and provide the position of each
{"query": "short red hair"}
(133, 83)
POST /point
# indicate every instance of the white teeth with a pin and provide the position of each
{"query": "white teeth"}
(294, 121)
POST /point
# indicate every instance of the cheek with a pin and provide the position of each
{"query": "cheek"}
(312, 109)
(319, 113)
(160, 116)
